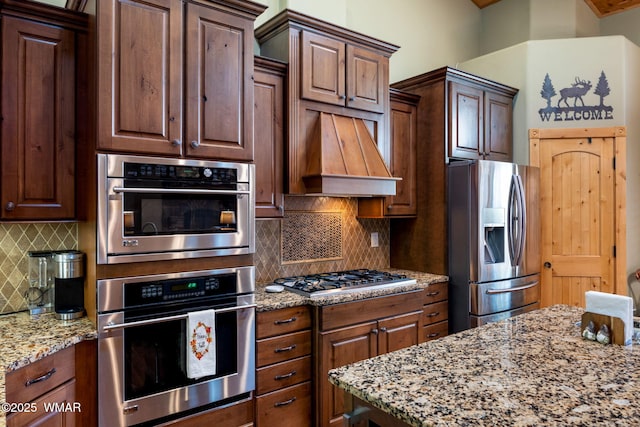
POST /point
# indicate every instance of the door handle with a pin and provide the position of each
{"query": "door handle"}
(547, 264)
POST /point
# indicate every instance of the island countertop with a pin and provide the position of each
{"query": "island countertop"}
(529, 370)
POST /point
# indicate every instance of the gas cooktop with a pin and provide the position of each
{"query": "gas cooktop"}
(323, 284)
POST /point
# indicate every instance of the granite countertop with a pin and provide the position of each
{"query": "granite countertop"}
(267, 301)
(25, 339)
(529, 370)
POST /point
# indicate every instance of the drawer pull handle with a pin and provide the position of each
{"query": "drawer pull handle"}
(282, 349)
(285, 403)
(433, 294)
(434, 314)
(42, 378)
(282, 322)
(285, 376)
(433, 335)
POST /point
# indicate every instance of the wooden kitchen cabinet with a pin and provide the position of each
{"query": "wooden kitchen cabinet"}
(343, 74)
(359, 330)
(435, 312)
(481, 124)
(268, 138)
(151, 52)
(38, 85)
(460, 116)
(331, 71)
(283, 368)
(403, 118)
(236, 414)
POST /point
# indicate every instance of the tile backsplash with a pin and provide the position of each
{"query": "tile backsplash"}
(311, 224)
(16, 240)
(317, 234)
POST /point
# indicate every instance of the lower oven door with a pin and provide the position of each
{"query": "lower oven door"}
(494, 297)
(142, 373)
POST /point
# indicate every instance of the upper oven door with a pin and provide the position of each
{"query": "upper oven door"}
(148, 217)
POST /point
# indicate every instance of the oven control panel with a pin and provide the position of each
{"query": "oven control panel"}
(180, 172)
(145, 293)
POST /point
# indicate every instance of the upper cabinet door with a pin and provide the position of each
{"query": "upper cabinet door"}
(466, 109)
(367, 79)
(323, 69)
(498, 131)
(140, 76)
(219, 85)
(38, 121)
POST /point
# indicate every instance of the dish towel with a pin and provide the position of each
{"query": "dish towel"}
(201, 344)
(612, 305)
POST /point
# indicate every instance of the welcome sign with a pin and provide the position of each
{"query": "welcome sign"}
(568, 104)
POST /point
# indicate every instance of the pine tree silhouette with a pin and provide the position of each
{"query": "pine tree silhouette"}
(602, 89)
(547, 91)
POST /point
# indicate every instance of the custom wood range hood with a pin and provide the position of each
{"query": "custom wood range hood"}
(343, 160)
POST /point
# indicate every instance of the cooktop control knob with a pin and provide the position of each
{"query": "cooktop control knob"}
(207, 172)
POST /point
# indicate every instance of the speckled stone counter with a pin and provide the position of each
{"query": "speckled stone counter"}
(273, 301)
(25, 339)
(530, 370)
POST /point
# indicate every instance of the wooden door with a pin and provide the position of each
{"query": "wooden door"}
(338, 348)
(581, 212)
(38, 121)
(367, 79)
(219, 84)
(140, 76)
(399, 332)
(323, 69)
(268, 138)
(466, 117)
(498, 129)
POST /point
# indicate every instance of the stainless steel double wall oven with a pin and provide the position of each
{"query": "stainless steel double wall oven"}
(156, 209)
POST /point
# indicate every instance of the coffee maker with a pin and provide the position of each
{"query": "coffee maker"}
(69, 284)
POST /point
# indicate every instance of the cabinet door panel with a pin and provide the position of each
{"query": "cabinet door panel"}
(338, 348)
(323, 69)
(403, 158)
(62, 397)
(399, 332)
(367, 79)
(466, 121)
(38, 121)
(498, 131)
(269, 144)
(139, 76)
(219, 112)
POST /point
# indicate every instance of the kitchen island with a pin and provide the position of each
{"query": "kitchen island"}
(529, 370)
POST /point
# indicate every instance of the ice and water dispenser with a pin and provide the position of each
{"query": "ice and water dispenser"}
(56, 283)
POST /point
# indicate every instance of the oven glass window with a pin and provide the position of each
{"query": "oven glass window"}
(168, 214)
(155, 355)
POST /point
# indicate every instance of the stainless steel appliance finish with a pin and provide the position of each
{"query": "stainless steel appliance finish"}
(494, 241)
(324, 284)
(152, 208)
(142, 344)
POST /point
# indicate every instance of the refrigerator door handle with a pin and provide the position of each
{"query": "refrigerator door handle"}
(517, 224)
(516, 289)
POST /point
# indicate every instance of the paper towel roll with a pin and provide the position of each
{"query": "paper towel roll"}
(618, 306)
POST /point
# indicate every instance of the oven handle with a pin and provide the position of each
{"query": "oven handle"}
(516, 289)
(111, 327)
(176, 191)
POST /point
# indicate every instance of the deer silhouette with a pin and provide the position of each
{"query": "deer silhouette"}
(576, 91)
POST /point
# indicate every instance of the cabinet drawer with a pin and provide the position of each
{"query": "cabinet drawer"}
(434, 313)
(283, 374)
(437, 330)
(65, 394)
(289, 407)
(279, 349)
(29, 382)
(278, 322)
(436, 292)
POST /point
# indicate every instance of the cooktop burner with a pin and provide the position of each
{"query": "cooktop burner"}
(322, 284)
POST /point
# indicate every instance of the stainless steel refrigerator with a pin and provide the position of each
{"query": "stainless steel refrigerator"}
(493, 241)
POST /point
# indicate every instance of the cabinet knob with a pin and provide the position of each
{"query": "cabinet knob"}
(195, 144)
(9, 206)
(176, 142)
(280, 208)
(383, 329)
(374, 331)
(352, 98)
(342, 97)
